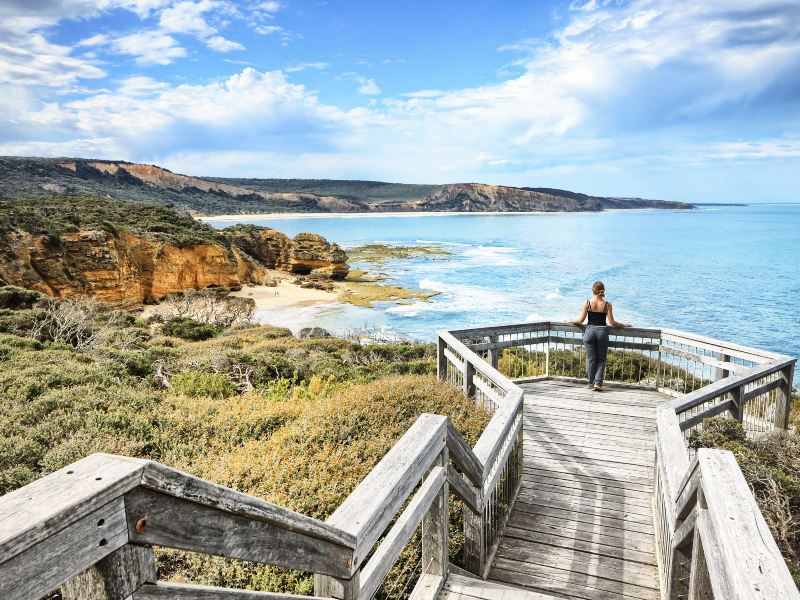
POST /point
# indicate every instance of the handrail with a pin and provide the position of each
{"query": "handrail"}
(90, 527)
(712, 539)
(74, 527)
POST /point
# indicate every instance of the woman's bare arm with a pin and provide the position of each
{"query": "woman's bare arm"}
(580, 319)
(612, 321)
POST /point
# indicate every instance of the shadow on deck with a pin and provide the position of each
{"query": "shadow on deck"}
(582, 526)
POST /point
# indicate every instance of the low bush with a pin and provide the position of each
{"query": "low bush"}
(195, 384)
(771, 465)
(15, 298)
(189, 329)
(297, 422)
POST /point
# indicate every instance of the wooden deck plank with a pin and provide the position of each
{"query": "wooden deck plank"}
(582, 526)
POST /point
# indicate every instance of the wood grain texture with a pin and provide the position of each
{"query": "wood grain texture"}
(175, 483)
(582, 526)
(369, 509)
(64, 554)
(42, 508)
(185, 591)
(177, 523)
(115, 577)
(374, 572)
(752, 563)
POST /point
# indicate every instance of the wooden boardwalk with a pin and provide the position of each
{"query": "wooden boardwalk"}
(582, 526)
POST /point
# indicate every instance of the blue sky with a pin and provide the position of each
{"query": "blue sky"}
(687, 101)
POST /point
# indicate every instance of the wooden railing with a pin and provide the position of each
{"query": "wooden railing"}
(713, 541)
(89, 528)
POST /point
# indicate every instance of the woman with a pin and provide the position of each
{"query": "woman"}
(595, 336)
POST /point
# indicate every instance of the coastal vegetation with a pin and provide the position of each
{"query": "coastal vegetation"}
(52, 216)
(298, 422)
(771, 465)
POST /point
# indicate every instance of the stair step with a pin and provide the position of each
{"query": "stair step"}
(461, 587)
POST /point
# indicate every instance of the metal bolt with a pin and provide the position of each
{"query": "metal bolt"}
(141, 525)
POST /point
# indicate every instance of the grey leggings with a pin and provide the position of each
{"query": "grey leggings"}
(595, 339)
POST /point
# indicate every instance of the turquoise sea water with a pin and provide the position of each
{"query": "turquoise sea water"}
(726, 272)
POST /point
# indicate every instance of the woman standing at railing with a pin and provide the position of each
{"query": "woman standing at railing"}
(595, 336)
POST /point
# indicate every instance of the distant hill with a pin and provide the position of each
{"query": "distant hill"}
(25, 177)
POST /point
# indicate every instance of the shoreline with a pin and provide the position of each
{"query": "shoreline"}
(351, 215)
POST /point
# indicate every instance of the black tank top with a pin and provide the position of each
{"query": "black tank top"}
(597, 317)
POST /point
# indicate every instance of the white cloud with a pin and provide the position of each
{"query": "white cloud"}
(269, 7)
(140, 86)
(220, 44)
(99, 39)
(615, 91)
(268, 29)
(368, 87)
(149, 47)
(296, 68)
(188, 17)
(35, 61)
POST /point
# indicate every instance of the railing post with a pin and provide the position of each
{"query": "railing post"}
(720, 373)
(340, 589)
(737, 394)
(441, 359)
(115, 577)
(783, 398)
(436, 535)
(469, 379)
(493, 352)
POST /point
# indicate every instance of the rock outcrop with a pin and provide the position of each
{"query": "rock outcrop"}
(305, 254)
(127, 270)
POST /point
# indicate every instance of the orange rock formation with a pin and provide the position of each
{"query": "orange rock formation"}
(127, 271)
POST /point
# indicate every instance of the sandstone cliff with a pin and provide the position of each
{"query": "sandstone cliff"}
(478, 197)
(127, 270)
(22, 177)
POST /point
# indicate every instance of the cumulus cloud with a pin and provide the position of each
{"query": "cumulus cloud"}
(188, 17)
(366, 86)
(617, 89)
(149, 47)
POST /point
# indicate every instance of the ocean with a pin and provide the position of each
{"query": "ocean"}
(730, 272)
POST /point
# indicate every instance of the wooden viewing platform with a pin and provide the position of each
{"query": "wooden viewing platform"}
(582, 525)
(568, 493)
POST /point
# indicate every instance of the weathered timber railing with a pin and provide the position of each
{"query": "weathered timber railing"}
(713, 541)
(499, 449)
(89, 528)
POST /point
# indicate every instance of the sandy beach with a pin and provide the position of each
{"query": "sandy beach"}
(286, 293)
(243, 218)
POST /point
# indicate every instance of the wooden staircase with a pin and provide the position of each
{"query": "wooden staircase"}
(566, 494)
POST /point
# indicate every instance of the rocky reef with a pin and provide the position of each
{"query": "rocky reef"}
(127, 270)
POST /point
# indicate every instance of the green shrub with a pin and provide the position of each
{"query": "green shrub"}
(189, 329)
(195, 383)
(16, 298)
(771, 465)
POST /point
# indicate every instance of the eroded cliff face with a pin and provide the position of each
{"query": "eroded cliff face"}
(127, 271)
(306, 253)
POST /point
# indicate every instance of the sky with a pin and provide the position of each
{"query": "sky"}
(696, 101)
